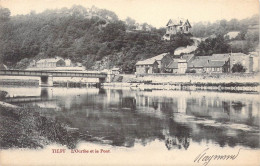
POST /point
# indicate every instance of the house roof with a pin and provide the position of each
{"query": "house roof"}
(173, 65)
(178, 22)
(232, 34)
(152, 60)
(216, 60)
(215, 63)
(220, 57)
(239, 54)
(198, 63)
(146, 62)
(254, 53)
(50, 60)
(188, 57)
(3, 67)
(159, 57)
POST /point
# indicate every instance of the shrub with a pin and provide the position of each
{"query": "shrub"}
(190, 71)
(238, 68)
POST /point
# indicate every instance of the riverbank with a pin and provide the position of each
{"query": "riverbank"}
(191, 78)
(27, 128)
(216, 82)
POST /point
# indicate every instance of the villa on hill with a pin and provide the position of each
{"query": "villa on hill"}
(176, 26)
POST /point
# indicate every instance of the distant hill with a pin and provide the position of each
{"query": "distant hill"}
(95, 37)
(226, 36)
(223, 27)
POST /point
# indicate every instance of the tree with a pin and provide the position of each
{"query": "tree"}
(4, 14)
(129, 21)
(211, 46)
(238, 68)
(72, 33)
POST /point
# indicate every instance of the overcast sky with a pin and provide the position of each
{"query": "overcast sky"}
(154, 12)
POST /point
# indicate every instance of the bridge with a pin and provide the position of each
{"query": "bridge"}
(47, 76)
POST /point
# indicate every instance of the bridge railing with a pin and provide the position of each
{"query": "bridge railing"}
(52, 73)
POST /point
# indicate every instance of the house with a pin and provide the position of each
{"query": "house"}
(50, 63)
(143, 27)
(243, 59)
(179, 65)
(176, 26)
(253, 27)
(172, 67)
(182, 66)
(216, 66)
(163, 60)
(232, 34)
(115, 70)
(196, 65)
(256, 61)
(147, 66)
(67, 62)
(217, 63)
(188, 57)
(3, 67)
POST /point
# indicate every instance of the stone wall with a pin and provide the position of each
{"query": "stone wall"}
(203, 78)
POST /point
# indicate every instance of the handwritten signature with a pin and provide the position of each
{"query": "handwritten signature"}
(205, 158)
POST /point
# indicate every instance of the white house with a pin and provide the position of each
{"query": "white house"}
(176, 26)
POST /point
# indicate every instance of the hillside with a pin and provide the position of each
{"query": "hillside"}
(94, 37)
(223, 36)
(98, 39)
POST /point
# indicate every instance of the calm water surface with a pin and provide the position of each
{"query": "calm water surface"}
(125, 117)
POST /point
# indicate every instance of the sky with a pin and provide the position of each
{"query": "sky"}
(154, 12)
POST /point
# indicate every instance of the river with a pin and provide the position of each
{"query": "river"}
(178, 121)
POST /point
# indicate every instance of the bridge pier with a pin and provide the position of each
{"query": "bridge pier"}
(46, 81)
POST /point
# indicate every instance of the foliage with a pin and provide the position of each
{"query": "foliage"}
(190, 71)
(223, 26)
(247, 40)
(238, 68)
(90, 36)
(4, 14)
(86, 36)
(212, 46)
(3, 94)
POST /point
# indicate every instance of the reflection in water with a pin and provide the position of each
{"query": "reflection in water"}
(125, 117)
(44, 93)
